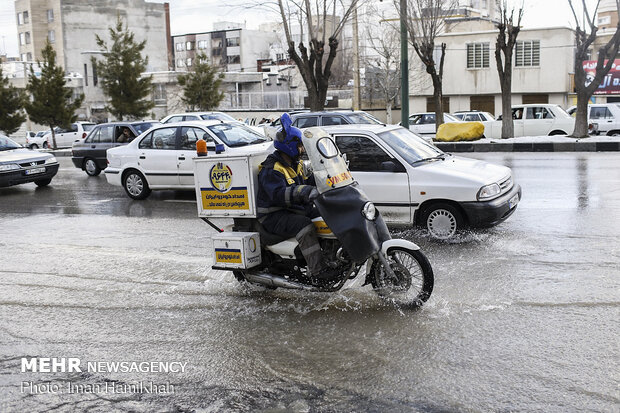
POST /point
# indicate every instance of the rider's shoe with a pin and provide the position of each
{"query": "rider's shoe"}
(326, 277)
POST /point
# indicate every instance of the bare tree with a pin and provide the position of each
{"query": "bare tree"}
(584, 38)
(385, 60)
(426, 21)
(504, 47)
(324, 21)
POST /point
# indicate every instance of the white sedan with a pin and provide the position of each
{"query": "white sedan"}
(424, 123)
(161, 158)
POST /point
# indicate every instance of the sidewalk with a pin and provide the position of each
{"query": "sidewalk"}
(536, 144)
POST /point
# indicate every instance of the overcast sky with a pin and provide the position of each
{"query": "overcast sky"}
(189, 16)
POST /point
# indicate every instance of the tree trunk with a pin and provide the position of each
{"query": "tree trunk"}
(388, 109)
(53, 137)
(438, 99)
(581, 119)
(508, 127)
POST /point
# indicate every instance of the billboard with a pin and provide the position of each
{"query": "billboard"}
(610, 85)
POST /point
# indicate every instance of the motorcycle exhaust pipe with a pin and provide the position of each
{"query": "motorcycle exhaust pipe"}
(276, 281)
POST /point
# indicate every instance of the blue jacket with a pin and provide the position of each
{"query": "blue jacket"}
(282, 186)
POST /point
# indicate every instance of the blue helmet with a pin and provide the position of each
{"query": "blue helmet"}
(288, 137)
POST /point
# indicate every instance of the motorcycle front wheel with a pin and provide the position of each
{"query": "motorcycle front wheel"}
(412, 283)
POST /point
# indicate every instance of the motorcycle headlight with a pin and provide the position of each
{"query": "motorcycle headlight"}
(369, 211)
(51, 160)
(488, 192)
(9, 167)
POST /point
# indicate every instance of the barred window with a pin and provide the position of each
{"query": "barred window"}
(477, 55)
(527, 53)
(159, 94)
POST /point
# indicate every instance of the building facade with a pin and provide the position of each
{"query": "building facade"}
(71, 25)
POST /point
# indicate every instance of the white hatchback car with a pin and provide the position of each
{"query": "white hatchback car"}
(161, 158)
(424, 123)
(413, 182)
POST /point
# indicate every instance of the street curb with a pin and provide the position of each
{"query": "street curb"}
(576, 146)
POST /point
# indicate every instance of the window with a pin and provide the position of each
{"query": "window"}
(362, 153)
(538, 112)
(106, 134)
(93, 136)
(188, 62)
(233, 59)
(95, 78)
(306, 122)
(159, 94)
(175, 119)
(26, 18)
(232, 42)
(22, 39)
(163, 138)
(333, 120)
(179, 47)
(202, 44)
(27, 37)
(189, 46)
(236, 134)
(85, 74)
(189, 137)
(51, 35)
(604, 20)
(471, 117)
(477, 55)
(527, 53)
(50, 15)
(20, 19)
(180, 63)
(24, 57)
(600, 113)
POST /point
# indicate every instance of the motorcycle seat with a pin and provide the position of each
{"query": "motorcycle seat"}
(267, 238)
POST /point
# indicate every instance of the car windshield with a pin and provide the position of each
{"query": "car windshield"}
(144, 126)
(363, 119)
(217, 116)
(459, 116)
(236, 134)
(410, 146)
(7, 144)
(88, 126)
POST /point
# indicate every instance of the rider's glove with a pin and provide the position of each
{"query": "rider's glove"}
(314, 194)
(302, 194)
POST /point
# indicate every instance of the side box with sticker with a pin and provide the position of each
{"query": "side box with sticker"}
(240, 250)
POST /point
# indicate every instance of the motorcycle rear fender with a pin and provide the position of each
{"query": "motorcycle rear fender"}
(398, 243)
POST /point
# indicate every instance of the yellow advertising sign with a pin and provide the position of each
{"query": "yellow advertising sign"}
(321, 227)
(235, 198)
(227, 256)
(338, 178)
(221, 177)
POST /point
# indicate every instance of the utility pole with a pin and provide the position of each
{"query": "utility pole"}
(404, 66)
(357, 98)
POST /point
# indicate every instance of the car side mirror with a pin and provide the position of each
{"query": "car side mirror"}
(391, 166)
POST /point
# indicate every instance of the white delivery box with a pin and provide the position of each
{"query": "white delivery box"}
(226, 186)
(237, 250)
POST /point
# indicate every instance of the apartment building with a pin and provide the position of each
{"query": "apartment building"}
(71, 25)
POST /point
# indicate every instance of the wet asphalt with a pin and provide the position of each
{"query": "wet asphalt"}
(524, 315)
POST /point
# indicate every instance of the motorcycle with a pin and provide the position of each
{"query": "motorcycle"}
(351, 232)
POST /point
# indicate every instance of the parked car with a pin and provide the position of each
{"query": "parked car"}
(37, 140)
(90, 154)
(535, 120)
(605, 115)
(325, 118)
(19, 165)
(474, 116)
(161, 158)
(189, 116)
(423, 124)
(66, 137)
(413, 182)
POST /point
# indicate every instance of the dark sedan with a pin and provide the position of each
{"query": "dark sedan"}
(90, 154)
(19, 165)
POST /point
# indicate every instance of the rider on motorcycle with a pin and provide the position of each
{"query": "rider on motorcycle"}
(285, 195)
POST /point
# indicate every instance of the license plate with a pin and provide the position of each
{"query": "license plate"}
(513, 201)
(35, 171)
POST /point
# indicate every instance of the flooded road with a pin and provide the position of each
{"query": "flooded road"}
(524, 316)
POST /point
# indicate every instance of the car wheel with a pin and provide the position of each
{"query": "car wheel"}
(442, 221)
(34, 146)
(43, 182)
(557, 132)
(91, 168)
(135, 185)
(613, 133)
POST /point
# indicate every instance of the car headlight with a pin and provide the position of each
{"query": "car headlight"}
(369, 211)
(9, 167)
(51, 160)
(488, 192)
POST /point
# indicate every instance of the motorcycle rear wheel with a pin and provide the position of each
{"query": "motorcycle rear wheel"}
(414, 279)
